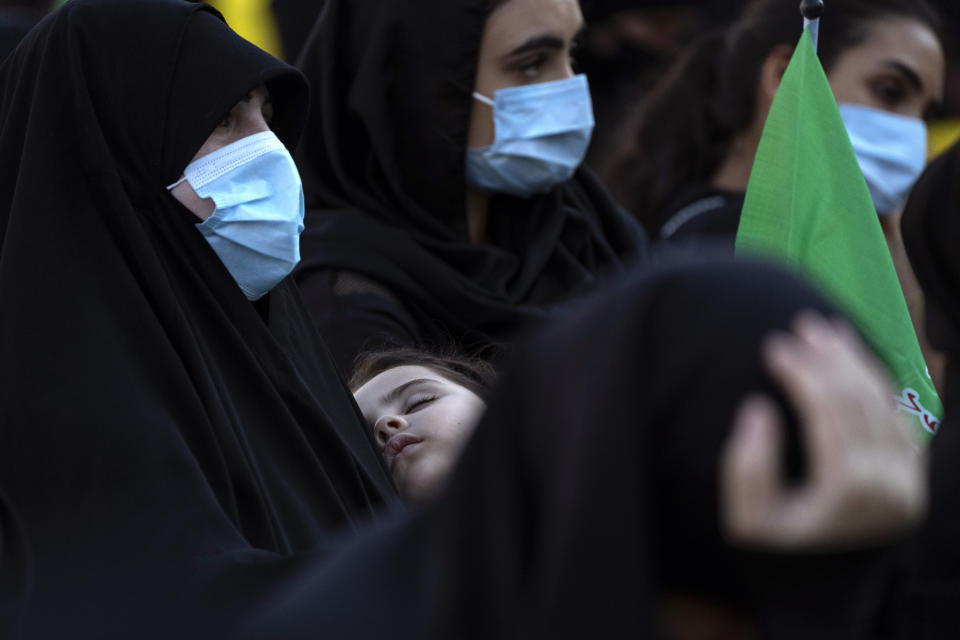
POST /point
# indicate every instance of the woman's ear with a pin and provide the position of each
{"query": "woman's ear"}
(771, 73)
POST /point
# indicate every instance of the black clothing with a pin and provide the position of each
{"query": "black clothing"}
(158, 432)
(930, 606)
(383, 168)
(295, 19)
(15, 570)
(701, 212)
(14, 24)
(931, 226)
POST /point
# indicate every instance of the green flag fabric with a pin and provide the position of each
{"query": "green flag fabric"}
(808, 203)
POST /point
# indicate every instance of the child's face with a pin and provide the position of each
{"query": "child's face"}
(421, 421)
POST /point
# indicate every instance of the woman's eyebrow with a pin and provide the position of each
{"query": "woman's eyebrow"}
(935, 106)
(543, 41)
(907, 72)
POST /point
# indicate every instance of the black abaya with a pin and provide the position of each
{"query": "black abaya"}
(386, 259)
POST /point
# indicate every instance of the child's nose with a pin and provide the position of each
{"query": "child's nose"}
(386, 427)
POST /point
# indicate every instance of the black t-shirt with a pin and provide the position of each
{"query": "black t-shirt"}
(701, 212)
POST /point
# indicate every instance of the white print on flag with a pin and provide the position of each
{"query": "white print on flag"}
(909, 401)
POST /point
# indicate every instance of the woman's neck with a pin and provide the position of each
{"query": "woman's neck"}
(477, 203)
(734, 172)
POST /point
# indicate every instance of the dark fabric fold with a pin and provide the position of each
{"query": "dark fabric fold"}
(15, 22)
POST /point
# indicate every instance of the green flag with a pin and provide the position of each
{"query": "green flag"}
(808, 204)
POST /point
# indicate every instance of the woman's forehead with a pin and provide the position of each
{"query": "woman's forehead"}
(517, 20)
(910, 43)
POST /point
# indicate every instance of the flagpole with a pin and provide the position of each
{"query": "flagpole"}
(811, 11)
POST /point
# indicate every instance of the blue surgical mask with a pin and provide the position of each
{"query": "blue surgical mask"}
(255, 229)
(542, 132)
(891, 150)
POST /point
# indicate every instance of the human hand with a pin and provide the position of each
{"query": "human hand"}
(865, 479)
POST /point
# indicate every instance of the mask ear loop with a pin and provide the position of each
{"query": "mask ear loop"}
(181, 180)
(482, 98)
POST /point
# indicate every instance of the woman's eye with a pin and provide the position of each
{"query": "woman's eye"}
(225, 123)
(889, 92)
(530, 69)
(418, 402)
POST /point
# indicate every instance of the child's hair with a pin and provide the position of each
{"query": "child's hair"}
(471, 373)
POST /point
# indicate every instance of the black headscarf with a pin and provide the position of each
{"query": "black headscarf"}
(930, 606)
(383, 167)
(295, 19)
(156, 428)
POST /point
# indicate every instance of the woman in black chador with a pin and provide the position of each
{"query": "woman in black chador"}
(179, 459)
(426, 223)
(159, 431)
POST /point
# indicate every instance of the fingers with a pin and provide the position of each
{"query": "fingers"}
(801, 366)
(864, 479)
(875, 375)
(751, 473)
(858, 385)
